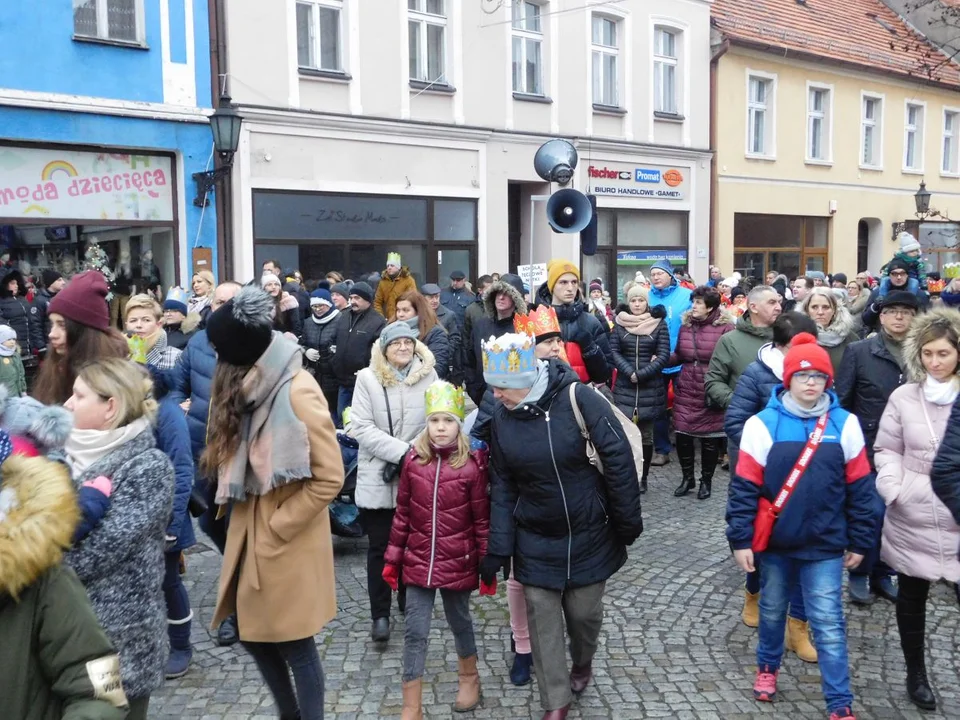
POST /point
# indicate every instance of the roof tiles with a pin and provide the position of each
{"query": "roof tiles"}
(864, 33)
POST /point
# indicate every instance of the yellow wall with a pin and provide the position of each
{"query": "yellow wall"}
(789, 185)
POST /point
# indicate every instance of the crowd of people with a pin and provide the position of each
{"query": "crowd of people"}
(499, 431)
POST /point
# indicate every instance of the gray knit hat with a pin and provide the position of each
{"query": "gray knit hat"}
(396, 331)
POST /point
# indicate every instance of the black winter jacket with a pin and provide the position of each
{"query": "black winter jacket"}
(41, 301)
(438, 342)
(945, 473)
(564, 524)
(21, 316)
(867, 376)
(356, 334)
(448, 319)
(489, 326)
(322, 337)
(646, 399)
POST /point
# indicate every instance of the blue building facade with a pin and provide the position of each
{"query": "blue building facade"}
(104, 108)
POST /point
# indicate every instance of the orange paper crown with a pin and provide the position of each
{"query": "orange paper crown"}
(539, 324)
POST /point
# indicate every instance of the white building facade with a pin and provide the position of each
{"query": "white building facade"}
(411, 126)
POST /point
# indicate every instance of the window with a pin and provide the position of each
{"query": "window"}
(665, 72)
(760, 120)
(527, 48)
(818, 124)
(949, 164)
(913, 138)
(605, 55)
(428, 25)
(318, 35)
(871, 129)
(120, 20)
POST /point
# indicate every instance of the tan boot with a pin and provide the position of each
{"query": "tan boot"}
(468, 692)
(751, 609)
(412, 700)
(798, 640)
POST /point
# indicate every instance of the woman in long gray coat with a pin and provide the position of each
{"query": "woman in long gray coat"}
(388, 412)
(120, 561)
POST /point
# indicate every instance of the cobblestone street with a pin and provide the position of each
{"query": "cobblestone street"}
(673, 645)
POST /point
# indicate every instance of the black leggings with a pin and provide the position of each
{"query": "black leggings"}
(709, 454)
(912, 615)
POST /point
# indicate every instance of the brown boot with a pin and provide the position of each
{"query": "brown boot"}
(412, 700)
(751, 609)
(468, 692)
(798, 640)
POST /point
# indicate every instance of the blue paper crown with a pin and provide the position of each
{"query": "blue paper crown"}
(510, 361)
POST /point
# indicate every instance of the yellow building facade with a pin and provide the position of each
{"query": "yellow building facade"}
(817, 164)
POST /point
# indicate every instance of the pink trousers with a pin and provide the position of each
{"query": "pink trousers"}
(518, 616)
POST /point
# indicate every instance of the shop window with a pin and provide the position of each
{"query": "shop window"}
(666, 63)
(527, 43)
(455, 220)
(605, 56)
(318, 35)
(428, 27)
(119, 20)
(940, 242)
(785, 243)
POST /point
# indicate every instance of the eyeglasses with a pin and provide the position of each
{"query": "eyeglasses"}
(815, 378)
(898, 273)
(403, 342)
(898, 312)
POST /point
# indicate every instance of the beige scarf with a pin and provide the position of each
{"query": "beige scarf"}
(85, 447)
(642, 324)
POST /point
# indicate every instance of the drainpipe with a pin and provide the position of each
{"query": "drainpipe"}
(714, 167)
(223, 197)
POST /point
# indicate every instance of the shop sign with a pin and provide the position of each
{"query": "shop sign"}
(652, 182)
(649, 257)
(48, 184)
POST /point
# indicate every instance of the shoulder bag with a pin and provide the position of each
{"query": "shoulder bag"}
(391, 471)
(767, 512)
(630, 430)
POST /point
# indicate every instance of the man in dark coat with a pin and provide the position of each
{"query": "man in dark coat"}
(448, 319)
(871, 369)
(475, 311)
(565, 524)
(899, 282)
(502, 300)
(53, 283)
(457, 298)
(24, 319)
(319, 341)
(357, 331)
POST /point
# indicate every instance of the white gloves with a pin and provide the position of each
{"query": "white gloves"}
(312, 355)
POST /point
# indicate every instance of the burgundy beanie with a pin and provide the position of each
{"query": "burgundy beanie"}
(84, 300)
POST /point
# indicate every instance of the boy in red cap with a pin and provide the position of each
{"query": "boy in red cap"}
(803, 470)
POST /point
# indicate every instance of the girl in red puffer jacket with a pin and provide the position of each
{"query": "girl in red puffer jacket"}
(439, 534)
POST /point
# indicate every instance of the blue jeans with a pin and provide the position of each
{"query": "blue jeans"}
(661, 426)
(276, 661)
(344, 398)
(821, 582)
(798, 611)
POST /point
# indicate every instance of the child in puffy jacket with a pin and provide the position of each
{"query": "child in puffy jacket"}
(440, 531)
(911, 255)
(12, 374)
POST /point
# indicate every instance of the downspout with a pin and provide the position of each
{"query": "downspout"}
(220, 85)
(714, 167)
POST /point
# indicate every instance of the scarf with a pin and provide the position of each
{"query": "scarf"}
(274, 445)
(85, 447)
(829, 338)
(642, 324)
(941, 393)
(539, 385)
(895, 347)
(149, 343)
(797, 410)
(324, 319)
(197, 303)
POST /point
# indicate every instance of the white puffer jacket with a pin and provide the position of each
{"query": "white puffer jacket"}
(370, 424)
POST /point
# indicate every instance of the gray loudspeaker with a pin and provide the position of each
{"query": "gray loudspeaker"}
(555, 161)
(569, 211)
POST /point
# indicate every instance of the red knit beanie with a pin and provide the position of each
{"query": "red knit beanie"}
(805, 355)
(84, 300)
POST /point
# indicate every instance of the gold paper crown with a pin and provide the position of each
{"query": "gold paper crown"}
(393, 259)
(443, 397)
(542, 320)
(510, 361)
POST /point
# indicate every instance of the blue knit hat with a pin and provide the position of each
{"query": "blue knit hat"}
(176, 300)
(666, 266)
(320, 296)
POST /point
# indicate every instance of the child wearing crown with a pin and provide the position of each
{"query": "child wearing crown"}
(439, 534)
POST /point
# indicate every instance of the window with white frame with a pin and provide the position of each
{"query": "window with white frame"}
(818, 123)
(913, 137)
(606, 55)
(871, 129)
(665, 67)
(318, 35)
(760, 115)
(949, 164)
(427, 21)
(120, 20)
(527, 48)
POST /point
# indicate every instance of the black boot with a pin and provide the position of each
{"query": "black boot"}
(912, 627)
(647, 457)
(685, 454)
(709, 454)
(918, 687)
(705, 488)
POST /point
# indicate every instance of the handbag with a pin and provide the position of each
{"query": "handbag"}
(197, 504)
(391, 471)
(632, 432)
(767, 512)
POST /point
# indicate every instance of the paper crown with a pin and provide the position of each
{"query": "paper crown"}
(177, 295)
(510, 361)
(540, 323)
(393, 259)
(138, 349)
(442, 397)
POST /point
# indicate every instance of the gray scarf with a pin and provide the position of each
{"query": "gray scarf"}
(796, 409)
(539, 385)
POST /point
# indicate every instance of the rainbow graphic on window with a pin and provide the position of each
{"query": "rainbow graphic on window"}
(55, 166)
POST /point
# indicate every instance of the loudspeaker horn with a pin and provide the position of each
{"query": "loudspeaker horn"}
(555, 161)
(568, 211)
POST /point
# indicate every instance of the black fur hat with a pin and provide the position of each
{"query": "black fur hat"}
(242, 329)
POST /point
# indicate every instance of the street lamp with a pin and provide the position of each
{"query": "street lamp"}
(922, 198)
(225, 127)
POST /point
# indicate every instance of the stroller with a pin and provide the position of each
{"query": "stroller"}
(344, 515)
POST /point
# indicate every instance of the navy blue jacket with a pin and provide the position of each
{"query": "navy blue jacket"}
(750, 396)
(93, 506)
(831, 509)
(173, 440)
(191, 378)
(945, 473)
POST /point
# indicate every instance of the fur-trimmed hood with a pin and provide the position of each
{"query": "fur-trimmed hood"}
(38, 515)
(46, 426)
(423, 362)
(725, 317)
(404, 273)
(502, 286)
(911, 345)
(859, 304)
(190, 323)
(21, 284)
(841, 327)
